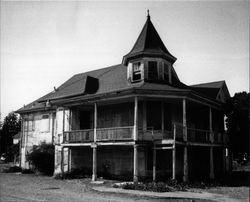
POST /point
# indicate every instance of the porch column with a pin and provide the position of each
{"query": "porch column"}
(95, 121)
(136, 119)
(224, 161)
(185, 153)
(184, 119)
(69, 159)
(144, 115)
(185, 169)
(94, 146)
(174, 155)
(211, 174)
(62, 160)
(94, 176)
(154, 163)
(162, 117)
(211, 137)
(135, 178)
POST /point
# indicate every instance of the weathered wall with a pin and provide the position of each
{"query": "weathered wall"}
(115, 115)
(37, 127)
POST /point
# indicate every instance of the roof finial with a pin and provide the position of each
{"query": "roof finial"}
(148, 14)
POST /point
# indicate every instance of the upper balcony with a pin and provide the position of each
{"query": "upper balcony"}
(123, 134)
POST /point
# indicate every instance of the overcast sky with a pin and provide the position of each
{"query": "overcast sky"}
(45, 43)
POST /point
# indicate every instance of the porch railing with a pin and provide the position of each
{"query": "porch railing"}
(78, 136)
(127, 133)
(198, 135)
(114, 134)
(151, 134)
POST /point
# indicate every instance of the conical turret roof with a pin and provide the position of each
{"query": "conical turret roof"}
(149, 44)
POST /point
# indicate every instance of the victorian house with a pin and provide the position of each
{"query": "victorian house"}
(134, 120)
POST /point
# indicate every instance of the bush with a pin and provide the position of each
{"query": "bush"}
(42, 158)
(13, 169)
(151, 186)
(27, 171)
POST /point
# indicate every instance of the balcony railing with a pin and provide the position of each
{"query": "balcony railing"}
(114, 134)
(78, 136)
(127, 134)
(198, 135)
(151, 135)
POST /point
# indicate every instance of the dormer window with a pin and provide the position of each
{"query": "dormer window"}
(136, 72)
(167, 73)
(152, 70)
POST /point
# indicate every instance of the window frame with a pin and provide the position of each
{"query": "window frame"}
(156, 77)
(137, 65)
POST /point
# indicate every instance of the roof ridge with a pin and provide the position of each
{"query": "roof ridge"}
(86, 74)
(196, 85)
(98, 69)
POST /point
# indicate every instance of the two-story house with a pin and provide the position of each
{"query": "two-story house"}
(135, 119)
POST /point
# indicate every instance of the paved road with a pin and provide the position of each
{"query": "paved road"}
(29, 187)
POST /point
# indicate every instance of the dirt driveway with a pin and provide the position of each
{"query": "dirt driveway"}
(30, 187)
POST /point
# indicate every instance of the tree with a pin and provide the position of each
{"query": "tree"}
(238, 123)
(11, 126)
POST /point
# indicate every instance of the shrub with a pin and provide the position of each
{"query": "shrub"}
(13, 169)
(27, 171)
(42, 158)
(151, 186)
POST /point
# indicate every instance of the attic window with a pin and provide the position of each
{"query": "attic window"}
(152, 70)
(137, 72)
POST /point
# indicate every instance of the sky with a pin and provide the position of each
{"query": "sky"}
(45, 43)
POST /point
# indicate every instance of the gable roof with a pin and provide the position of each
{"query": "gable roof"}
(149, 43)
(212, 89)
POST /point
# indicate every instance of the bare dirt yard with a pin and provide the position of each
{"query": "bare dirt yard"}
(31, 187)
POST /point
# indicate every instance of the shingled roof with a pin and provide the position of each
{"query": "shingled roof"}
(211, 89)
(149, 44)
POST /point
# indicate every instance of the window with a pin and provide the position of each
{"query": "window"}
(137, 72)
(29, 125)
(44, 127)
(26, 121)
(166, 72)
(152, 70)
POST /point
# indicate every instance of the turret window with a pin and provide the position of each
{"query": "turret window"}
(152, 70)
(137, 71)
(167, 73)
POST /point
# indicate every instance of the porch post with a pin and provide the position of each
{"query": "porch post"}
(136, 119)
(223, 161)
(162, 117)
(184, 118)
(211, 174)
(185, 153)
(144, 115)
(95, 121)
(62, 160)
(135, 178)
(211, 126)
(174, 154)
(154, 163)
(94, 176)
(69, 159)
(185, 169)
